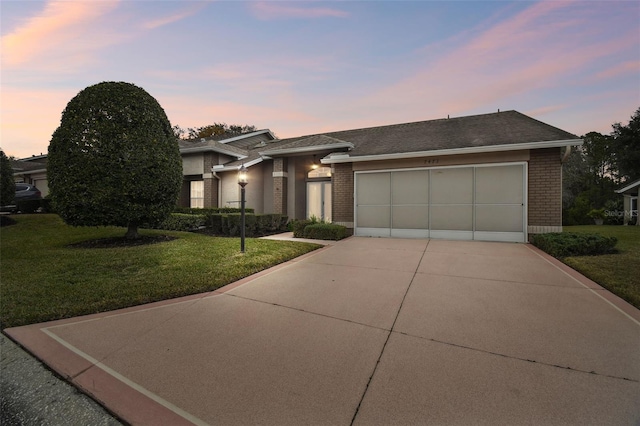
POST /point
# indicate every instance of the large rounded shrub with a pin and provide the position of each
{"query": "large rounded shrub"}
(114, 160)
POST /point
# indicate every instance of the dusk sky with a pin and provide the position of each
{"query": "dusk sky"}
(301, 67)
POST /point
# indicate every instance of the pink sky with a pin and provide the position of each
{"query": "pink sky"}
(307, 67)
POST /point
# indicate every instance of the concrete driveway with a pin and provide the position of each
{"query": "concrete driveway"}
(367, 332)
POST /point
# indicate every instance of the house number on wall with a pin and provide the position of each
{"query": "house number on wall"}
(432, 161)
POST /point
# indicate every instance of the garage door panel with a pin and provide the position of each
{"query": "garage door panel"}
(410, 187)
(499, 218)
(374, 216)
(484, 202)
(452, 186)
(499, 185)
(410, 217)
(374, 188)
(454, 218)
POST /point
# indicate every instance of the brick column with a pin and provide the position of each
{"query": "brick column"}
(342, 194)
(545, 191)
(210, 182)
(280, 185)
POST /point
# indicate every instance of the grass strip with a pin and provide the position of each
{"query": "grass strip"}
(44, 278)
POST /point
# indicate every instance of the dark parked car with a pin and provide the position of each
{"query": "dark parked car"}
(24, 192)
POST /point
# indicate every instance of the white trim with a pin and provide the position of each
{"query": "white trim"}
(628, 187)
(304, 149)
(280, 174)
(223, 168)
(346, 158)
(213, 149)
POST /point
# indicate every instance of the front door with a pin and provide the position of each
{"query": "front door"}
(319, 200)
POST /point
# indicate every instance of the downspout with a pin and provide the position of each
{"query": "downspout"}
(566, 154)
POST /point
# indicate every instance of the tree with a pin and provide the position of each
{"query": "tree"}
(114, 159)
(626, 143)
(7, 184)
(222, 130)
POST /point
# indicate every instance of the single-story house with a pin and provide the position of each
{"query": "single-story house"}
(631, 193)
(493, 176)
(32, 170)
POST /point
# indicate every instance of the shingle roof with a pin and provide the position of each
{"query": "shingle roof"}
(501, 128)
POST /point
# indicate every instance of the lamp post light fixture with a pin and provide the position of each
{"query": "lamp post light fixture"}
(242, 181)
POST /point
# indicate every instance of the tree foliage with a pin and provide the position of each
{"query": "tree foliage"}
(627, 147)
(217, 130)
(7, 184)
(594, 171)
(114, 159)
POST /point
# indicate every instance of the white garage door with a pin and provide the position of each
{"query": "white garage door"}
(483, 202)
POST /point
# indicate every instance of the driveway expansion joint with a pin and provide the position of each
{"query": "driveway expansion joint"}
(533, 361)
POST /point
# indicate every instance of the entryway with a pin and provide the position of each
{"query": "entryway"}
(319, 200)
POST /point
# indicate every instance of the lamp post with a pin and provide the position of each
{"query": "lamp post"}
(242, 181)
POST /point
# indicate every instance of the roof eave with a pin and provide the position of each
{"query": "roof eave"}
(305, 149)
(346, 158)
(212, 149)
(224, 168)
(628, 187)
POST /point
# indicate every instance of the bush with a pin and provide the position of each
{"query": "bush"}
(297, 226)
(210, 210)
(255, 225)
(325, 231)
(569, 244)
(183, 222)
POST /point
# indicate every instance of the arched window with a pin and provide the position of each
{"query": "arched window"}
(320, 172)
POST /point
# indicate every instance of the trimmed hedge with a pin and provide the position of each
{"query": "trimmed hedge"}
(325, 231)
(574, 244)
(183, 222)
(211, 210)
(297, 226)
(227, 225)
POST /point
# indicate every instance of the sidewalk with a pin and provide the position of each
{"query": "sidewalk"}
(366, 331)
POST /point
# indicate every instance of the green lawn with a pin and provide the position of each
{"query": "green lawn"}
(619, 272)
(43, 279)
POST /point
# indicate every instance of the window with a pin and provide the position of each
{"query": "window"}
(320, 172)
(197, 194)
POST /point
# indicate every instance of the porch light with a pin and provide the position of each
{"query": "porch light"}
(243, 180)
(314, 166)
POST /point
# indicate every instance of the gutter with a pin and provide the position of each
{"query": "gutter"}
(346, 158)
(305, 149)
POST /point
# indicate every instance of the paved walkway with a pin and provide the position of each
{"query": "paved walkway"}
(366, 332)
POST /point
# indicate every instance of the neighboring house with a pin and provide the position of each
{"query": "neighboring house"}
(485, 177)
(631, 193)
(32, 170)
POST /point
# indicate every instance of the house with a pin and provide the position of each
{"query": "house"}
(494, 176)
(631, 193)
(489, 177)
(32, 170)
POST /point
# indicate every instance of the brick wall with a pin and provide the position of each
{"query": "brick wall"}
(545, 191)
(280, 185)
(210, 182)
(342, 194)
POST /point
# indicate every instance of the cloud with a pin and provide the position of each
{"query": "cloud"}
(60, 23)
(160, 22)
(628, 67)
(545, 46)
(276, 10)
